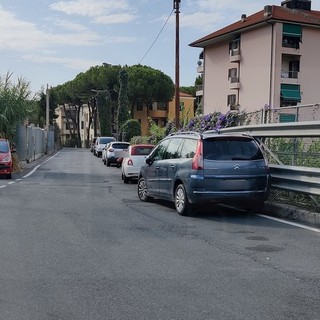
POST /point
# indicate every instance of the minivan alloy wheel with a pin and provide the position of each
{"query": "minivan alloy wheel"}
(142, 190)
(181, 202)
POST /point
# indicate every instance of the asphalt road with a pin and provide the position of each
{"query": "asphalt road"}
(77, 244)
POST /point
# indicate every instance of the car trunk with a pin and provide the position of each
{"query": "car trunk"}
(233, 164)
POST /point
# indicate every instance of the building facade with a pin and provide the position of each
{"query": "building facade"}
(161, 113)
(266, 60)
(68, 124)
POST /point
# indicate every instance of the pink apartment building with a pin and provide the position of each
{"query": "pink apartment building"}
(266, 60)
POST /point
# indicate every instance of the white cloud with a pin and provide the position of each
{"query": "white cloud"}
(67, 25)
(72, 63)
(114, 18)
(91, 8)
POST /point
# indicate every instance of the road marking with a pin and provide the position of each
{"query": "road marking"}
(39, 165)
(290, 223)
(32, 171)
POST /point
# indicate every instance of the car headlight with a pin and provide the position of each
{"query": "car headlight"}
(6, 159)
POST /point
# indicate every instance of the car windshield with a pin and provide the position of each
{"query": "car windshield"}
(141, 151)
(120, 146)
(231, 148)
(4, 148)
(104, 140)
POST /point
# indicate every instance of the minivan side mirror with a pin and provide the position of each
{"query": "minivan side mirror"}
(149, 160)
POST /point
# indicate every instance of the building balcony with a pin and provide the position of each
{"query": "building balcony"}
(158, 113)
(234, 83)
(290, 77)
(200, 69)
(235, 55)
(199, 91)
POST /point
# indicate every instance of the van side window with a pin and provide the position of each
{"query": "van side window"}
(189, 148)
(159, 151)
(173, 148)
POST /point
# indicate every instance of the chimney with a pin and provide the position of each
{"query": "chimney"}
(267, 11)
(243, 17)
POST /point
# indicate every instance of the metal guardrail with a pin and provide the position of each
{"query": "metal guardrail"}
(288, 129)
(298, 179)
(291, 178)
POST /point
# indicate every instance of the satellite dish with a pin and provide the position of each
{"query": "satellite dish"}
(199, 63)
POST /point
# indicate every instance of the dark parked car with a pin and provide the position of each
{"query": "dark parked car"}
(191, 168)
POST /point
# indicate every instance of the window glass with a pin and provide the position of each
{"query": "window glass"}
(173, 148)
(120, 145)
(4, 146)
(141, 151)
(231, 148)
(189, 148)
(159, 152)
(105, 140)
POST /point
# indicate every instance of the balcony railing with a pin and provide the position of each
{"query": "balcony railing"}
(235, 55)
(289, 74)
(234, 82)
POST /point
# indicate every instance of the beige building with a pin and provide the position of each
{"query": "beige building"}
(161, 112)
(266, 60)
(67, 123)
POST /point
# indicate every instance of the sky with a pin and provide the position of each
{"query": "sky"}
(49, 42)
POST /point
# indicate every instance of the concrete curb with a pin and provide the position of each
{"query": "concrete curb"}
(292, 213)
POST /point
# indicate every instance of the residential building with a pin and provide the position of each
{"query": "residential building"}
(67, 124)
(161, 112)
(265, 60)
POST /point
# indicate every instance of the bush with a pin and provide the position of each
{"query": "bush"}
(131, 128)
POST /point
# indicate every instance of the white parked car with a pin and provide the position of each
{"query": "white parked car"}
(115, 151)
(136, 157)
(100, 143)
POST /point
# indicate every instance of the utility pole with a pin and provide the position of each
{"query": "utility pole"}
(176, 6)
(47, 120)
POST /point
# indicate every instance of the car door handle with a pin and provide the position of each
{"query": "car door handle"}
(172, 166)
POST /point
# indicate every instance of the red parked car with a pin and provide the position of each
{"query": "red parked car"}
(6, 164)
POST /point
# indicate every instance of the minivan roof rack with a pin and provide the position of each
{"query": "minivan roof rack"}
(185, 132)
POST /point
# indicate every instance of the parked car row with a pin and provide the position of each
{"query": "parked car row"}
(191, 169)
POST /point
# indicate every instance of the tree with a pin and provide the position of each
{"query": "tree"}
(123, 102)
(131, 128)
(16, 104)
(149, 85)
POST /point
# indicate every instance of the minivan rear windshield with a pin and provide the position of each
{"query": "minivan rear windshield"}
(231, 148)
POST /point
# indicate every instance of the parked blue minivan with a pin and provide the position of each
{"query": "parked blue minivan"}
(190, 168)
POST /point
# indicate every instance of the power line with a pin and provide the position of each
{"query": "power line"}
(157, 36)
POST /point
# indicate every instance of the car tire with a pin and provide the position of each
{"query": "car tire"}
(108, 163)
(142, 190)
(181, 201)
(9, 176)
(125, 179)
(104, 161)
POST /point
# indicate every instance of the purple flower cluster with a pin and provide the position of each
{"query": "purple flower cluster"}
(214, 121)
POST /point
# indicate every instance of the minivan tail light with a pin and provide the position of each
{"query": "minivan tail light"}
(197, 161)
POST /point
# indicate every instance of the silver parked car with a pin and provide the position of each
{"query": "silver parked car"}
(192, 168)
